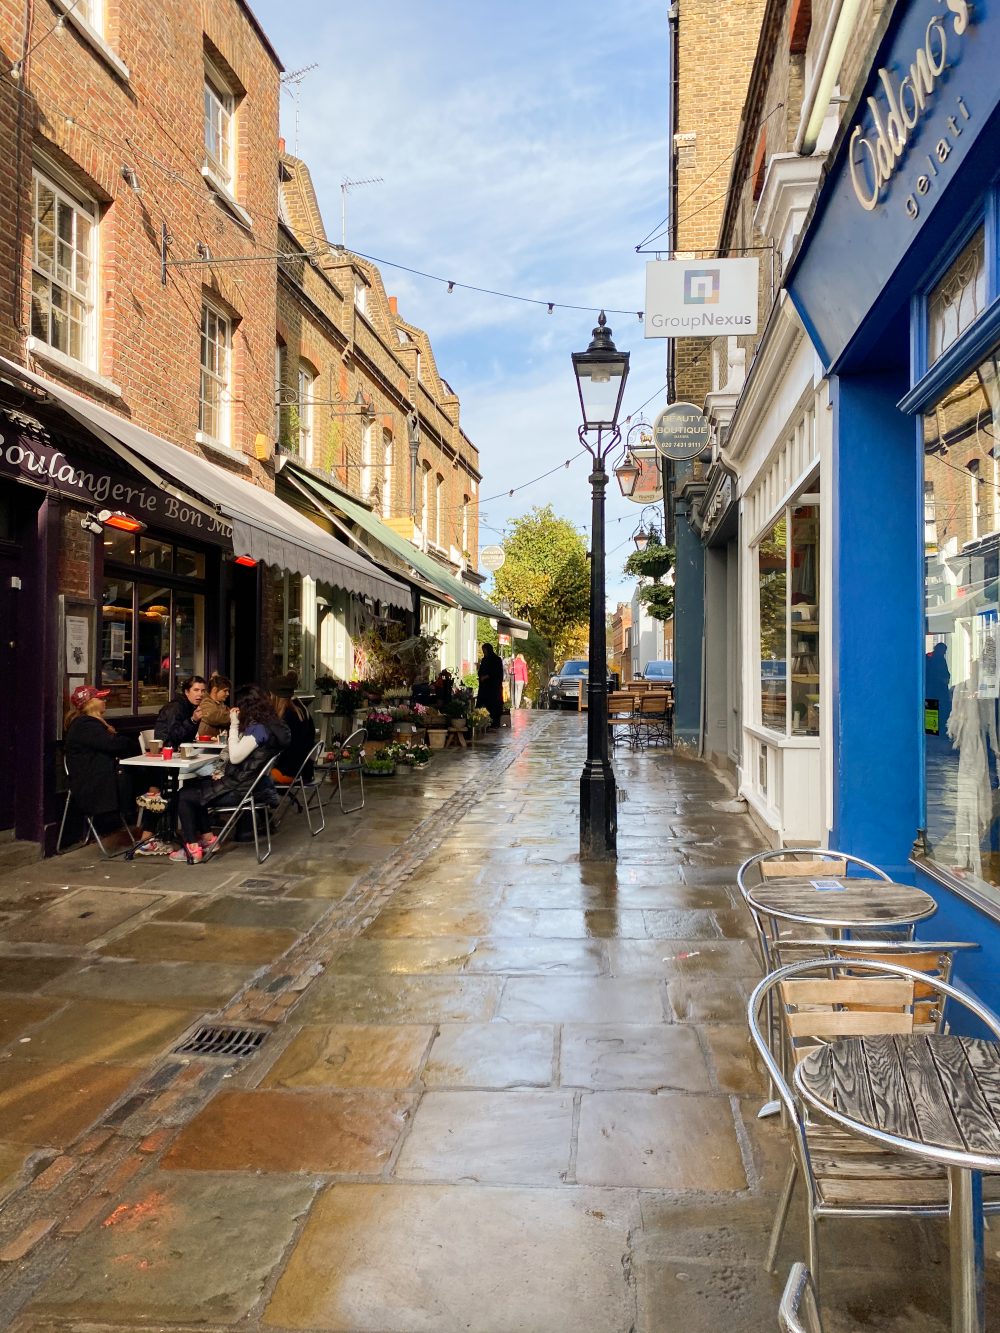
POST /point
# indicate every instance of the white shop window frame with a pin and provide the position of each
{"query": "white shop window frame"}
(767, 754)
(214, 316)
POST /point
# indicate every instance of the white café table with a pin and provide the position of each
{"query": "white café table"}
(176, 769)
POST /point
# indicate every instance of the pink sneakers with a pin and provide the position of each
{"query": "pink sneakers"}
(191, 851)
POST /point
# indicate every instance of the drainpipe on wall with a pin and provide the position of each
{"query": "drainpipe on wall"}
(413, 434)
(839, 26)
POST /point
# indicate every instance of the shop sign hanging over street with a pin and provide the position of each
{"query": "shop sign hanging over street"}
(700, 298)
(649, 482)
(491, 558)
(681, 432)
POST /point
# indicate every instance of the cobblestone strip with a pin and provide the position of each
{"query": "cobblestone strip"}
(74, 1189)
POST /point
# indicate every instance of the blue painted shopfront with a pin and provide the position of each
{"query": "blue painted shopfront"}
(913, 177)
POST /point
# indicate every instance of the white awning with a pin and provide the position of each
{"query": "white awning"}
(264, 527)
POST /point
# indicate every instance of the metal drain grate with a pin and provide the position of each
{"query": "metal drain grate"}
(229, 1042)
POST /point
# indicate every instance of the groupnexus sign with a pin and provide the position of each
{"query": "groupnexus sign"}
(698, 298)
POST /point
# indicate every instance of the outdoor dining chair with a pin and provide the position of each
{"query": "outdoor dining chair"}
(92, 828)
(819, 1001)
(652, 721)
(355, 740)
(621, 709)
(308, 789)
(799, 1309)
(252, 805)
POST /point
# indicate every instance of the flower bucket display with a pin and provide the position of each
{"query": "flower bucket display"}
(379, 724)
(437, 738)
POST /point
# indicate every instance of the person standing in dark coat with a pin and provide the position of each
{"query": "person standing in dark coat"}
(490, 694)
(93, 748)
(177, 722)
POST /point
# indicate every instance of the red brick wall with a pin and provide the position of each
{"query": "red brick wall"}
(89, 120)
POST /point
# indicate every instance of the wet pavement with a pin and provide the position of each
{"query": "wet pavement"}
(499, 1090)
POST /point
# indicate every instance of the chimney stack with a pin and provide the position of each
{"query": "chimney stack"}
(281, 147)
(393, 305)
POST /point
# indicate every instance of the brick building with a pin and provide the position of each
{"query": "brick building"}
(142, 205)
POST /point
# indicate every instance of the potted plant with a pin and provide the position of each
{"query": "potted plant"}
(457, 712)
(418, 756)
(479, 719)
(379, 725)
(325, 687)
(380, 766)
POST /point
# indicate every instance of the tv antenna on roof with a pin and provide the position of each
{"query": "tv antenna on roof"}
(345, 186)
(293, 80)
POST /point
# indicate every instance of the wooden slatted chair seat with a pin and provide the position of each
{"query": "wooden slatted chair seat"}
(816, 1001)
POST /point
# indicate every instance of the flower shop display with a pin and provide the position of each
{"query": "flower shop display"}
(379, 724)
(456, 711)
(437, 736)
(479, 719)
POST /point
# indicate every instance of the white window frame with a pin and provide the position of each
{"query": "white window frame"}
(220, 117)
(438, 493)
(386, 475)
(88, 18)
(305, 385)
(361, 295)
(216, 327)
(86, 296)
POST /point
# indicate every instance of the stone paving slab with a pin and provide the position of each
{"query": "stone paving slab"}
(270, 1130)
(195, 1248)
(345, 1056)
(449, 1259)
(491, 1055)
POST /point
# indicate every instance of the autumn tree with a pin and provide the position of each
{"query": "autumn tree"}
(546, 578)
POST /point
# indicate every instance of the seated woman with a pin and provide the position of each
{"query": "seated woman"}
(214, 713)
(299, 722)
(256, 736)
(93, 749)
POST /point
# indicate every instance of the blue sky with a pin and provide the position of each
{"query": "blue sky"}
(523, 148)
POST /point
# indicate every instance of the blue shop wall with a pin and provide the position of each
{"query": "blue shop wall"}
(689, 624)
(877, 686)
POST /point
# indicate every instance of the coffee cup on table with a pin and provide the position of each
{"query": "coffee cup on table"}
(206, 738)
(154, 747)
(188, 751)
(168, 752)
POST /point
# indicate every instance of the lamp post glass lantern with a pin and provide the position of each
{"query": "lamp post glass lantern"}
(627, 473)
(601, 372)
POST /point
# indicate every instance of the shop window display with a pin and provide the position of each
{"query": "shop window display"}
(286, 654)
(152, 633)
(788, 591)
(961, 604)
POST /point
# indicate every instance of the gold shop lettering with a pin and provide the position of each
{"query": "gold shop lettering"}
(875, 157)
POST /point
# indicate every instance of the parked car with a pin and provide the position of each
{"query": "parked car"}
(563, 690)
(661, 672)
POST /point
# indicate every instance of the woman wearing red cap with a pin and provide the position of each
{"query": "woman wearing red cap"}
(93, 749)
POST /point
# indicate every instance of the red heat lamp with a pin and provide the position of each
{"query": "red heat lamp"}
(247, 561)
(122, 522)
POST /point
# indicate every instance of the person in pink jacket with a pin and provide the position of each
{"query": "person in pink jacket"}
(518, 678)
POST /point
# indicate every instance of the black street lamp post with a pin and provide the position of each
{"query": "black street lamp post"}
(601, 372)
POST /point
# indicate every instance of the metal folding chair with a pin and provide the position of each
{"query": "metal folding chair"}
(356, 738)
(799, 1309)
(92, 828)
(309, 789)
(248, 804)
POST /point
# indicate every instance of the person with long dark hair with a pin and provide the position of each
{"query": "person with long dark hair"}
(256, 736)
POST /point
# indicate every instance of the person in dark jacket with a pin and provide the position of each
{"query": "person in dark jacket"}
(490, 694)
(256, 736)
(294, 714)
(93, 748)
(177, 722)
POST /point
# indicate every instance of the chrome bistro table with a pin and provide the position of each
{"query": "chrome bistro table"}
(840, 903)
(937, 1097)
